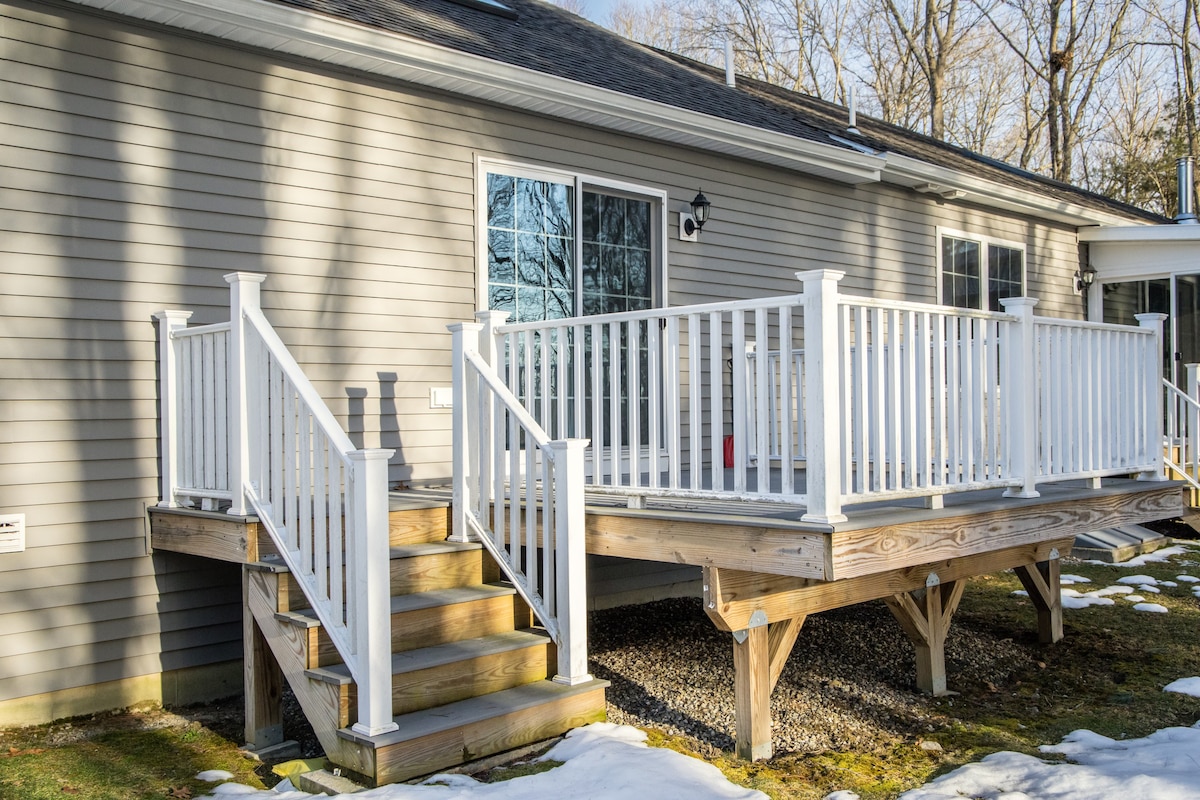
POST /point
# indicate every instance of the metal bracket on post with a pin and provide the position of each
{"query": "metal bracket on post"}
(757, 620)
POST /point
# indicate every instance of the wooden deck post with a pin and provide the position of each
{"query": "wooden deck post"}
(759, 655)
(262, 680)
(752, 693)
(1041, 580)
(925, 617)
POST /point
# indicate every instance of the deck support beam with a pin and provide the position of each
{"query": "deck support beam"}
(1043, 583)
(925, 616)
(263, 680)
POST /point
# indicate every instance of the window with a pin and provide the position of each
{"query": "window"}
(973, 268)
(561, 246)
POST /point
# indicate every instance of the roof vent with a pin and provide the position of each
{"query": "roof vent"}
(1185, 181)
(853, 109)
(730, 75)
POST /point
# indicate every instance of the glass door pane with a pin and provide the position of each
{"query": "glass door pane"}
(1187, 321)
(1124, 301)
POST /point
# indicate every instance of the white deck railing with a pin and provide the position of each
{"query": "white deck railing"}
(242, 423)
(856, 399)
(521, 494)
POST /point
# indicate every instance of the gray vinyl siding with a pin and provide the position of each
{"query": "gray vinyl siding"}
(140, 166)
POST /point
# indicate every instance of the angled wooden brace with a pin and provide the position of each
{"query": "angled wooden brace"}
(925, 616)
(1043, 583)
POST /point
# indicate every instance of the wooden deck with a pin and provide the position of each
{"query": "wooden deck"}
(765, 570)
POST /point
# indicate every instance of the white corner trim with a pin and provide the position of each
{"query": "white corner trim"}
(263, 24)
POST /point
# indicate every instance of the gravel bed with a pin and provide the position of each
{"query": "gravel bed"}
(848, 684)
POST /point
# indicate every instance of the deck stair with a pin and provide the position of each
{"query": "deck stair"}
(470, 671)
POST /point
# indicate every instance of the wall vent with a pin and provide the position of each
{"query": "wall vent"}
(12, 533)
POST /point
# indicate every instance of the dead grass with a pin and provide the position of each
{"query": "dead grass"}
(1106, 675)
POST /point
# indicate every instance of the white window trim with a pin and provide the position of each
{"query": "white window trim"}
(940, 233)
(485, 166)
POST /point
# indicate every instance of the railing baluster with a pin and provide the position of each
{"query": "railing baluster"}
(787, 463)
(672, 405)
(716, 394)
(634, 394)
(741, 406)
(695, 404)
(762, 392)
(617, 440)
(655, 375)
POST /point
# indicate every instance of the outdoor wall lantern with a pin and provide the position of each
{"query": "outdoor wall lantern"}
(1084, 278)
(691, 222)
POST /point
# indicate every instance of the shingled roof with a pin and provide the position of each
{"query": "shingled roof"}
(540, 36)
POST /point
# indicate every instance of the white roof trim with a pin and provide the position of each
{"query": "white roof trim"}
(273, 26)
(922, 176)
(1142, 233)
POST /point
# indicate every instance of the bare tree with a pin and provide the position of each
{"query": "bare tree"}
(1070, 45)
(929, 33)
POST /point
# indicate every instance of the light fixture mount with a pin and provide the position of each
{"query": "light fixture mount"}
(691, 222)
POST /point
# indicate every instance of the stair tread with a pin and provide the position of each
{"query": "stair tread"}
(420, 600)
(419, 724)
(442, 654)
(432, 548)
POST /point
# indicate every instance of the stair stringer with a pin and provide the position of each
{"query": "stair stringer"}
(288, 643)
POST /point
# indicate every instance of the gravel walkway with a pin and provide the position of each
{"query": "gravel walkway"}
(848, 685)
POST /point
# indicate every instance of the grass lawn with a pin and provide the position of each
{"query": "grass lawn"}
(1106, 675)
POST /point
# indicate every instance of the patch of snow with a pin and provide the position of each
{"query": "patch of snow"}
(1107, 590)
(1160, 766)
(1158, 555)
(1187, 578)
(1153, 608)
(1135, 598)
(1146, 587)
(1138, 580)
(842, 795)
(1020, 593)
(1066, 580)
(1168, 584)
(602, 761)
(1189, 686)
(214, 775)
(1085, 600)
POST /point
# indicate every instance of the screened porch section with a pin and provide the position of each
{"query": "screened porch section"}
(820, 400)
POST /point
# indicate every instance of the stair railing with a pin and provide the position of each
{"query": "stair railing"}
(1181, 447)
(521, 495)
(242, 399)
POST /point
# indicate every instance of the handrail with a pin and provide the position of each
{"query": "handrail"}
(1182, 426)
(270, 445)
(521, 495)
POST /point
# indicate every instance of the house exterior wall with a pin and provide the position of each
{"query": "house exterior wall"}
(140, 166)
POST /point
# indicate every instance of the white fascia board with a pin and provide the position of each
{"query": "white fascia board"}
(1141, 233)
(913, 173)
(297, 32)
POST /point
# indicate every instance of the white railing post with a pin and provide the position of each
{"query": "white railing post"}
(571, 553)
(1022, 401)
(168, 402)
(370, 581)
(244, 294)
(822, 395)
(465, 336)
(1150, 377)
